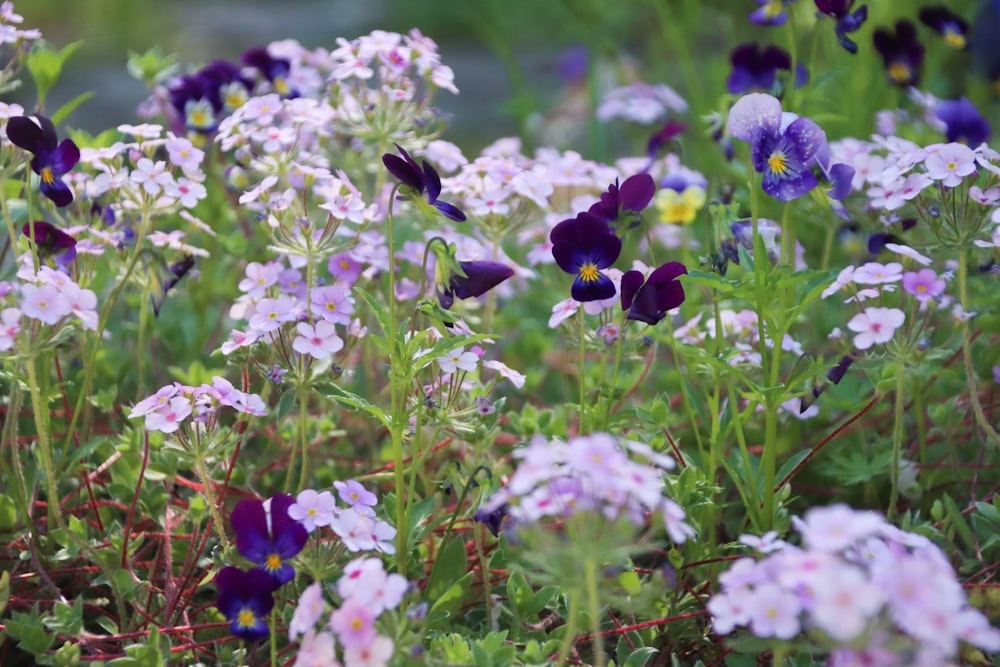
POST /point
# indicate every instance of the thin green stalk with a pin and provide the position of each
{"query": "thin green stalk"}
(918, 408)
(614, 372)
(41, 412)
(594, 610)
(199, 462)
(897, 440)
(793, 53)
(274, 636)
(970, 373)
(570, 628)
(140, 347)
(583, 360)
(10, 436)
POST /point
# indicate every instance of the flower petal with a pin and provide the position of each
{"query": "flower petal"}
(404, 171)
(753, 114)
(636, 192)
(631, 282)
(449, 211)
(249, 521)
(805, 138)
(25, 133)
(595, 290)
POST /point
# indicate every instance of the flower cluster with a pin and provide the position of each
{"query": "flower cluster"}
(48, 297)
(365, 591)
(865, 591)
(355, 524)
(589, 474)
(166, 410)
(640, 103)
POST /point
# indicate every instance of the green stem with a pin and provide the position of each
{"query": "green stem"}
(303, 438)
(140, 347)
(274, 636)
(199, 460)
(897, 440)
(970, 373)
(569, 628)
(41, 412)
(614, 372)
(793, 53)
(583, 360)
(594, 610)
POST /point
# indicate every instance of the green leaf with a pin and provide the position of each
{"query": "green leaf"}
(28, 629)
(45, 65)
(710, 280)
(65, 110)
(789, 465)
(4, 591)
(640, 656)
(448, 568)
(381, 315)
(66, 619)
(956, 519)
(354, 401)
(285, 404)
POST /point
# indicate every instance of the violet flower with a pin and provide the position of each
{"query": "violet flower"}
(624, 203)
(51, 241)
(770, 12)
(963, 122)
(269, 546)
(902, 53)
(51, 158)
(275, 70)
(781, 152)
(421, 181)
(584, 246)
(847, 22)
(648, 301)
(756, 69)
(946, 23)
(479, 278)
(245, 599)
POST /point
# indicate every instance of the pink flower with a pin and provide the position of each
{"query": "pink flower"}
(950, 163)
(562, 311)
(332, 304)
(774, 612)
(168, 418)
(308, 611)
(44, 303)
(875, 325)
(313, 509)
(517, 379)
(458, 359)
(874, 273)
(354, 624)
(319, 341)
(376, 654)
(10, 326)
(924, 284)
(317, 650)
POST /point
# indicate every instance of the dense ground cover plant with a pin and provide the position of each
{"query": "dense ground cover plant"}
(291, 379)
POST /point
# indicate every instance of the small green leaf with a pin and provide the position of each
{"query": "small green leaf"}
(65, 110)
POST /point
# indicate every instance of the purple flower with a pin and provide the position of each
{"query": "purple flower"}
(269, 547)
(275, 70)
(946, 23)
(625, 202)
(421, 180)
(923, 284)
(51, 158)
(479, 278)
(770, 12)
(902, 54)
(584, 246)
(846, 21)
(669, 130)
(756, 69)
(245, 599)
(493, 519)
(781, 153)
(649, 301)
(963, 122)
(51, 241)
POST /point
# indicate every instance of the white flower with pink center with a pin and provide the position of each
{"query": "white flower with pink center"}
(319, 340)
(875, 326)
(950, 163)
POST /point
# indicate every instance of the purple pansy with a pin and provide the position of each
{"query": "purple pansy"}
(770, 12)
(756, 69)
(51, 241)
(584, 246)
(420, 181)
(902, 53)
(782, 153)
(963, 122)
(269, 547)
(479, 278)
(245, 599)
(275, 70)
(648, 301)
(51, 158)
(625, 202)
(847, 21)
(947, 23)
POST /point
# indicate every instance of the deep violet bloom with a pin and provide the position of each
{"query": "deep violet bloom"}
(847, 22)
(649, 301)
(269, 548)
(756, 69)
(665, 134)
(273, 69)
(479, 278)
(493, 520)
(51, 241)
(51, 158)
(963, 122)
(902, 53)
(420, 181)
(946, 23)
(770, 12)
(245, 599)
(782, 153)
(624, 203)
(584, 246)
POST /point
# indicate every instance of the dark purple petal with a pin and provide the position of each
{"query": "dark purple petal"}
(670, 130)
(841, 176)
(836, 8)
(449, 211)
(286, 530)
(792, 185)
(249, 521)
(963, 122)
(432, 182)
(25, 133)
(666, 273)
(568, 257)
(846, 41)
(49, 238)
(636, 192)
(57, 191)
(64, 157)
(804, 137)
(49, 137)
(239, 592)
(405, 172)
(631, 282)
(595, 290)
(480, 277)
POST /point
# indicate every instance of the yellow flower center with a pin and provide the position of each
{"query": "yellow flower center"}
(589, 272)
(952, 166)
(899, 72)
(273, 562)
(246, 619)
(955, 40)
(281, 86)
(777, 163)
(47, 176)
(774, 8)
(921, 288)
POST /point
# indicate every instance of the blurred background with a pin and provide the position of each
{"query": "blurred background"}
(506, 54)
